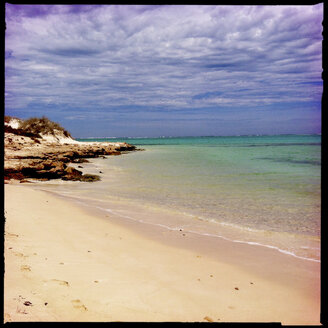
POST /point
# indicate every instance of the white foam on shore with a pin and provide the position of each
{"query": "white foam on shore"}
(83, 202)
(211, 235)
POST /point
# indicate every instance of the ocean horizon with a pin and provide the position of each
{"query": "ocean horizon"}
(198, 136)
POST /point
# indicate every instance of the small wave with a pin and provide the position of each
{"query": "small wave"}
(228, 224)
(241, 145)
(116, 213)
(212, 235)
(278, 249)
(259, 244)
(307, 247)
(292, 161)
(137, 220)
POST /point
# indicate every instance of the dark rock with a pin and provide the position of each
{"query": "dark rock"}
(80, 160)
(90, 178)
(72, 174)
(49, 160)
(72, 171)
(14, 175)
(21, 132)
(63, 159)
(46, 174)
(69, 154)
(125, 146)
(36, 140)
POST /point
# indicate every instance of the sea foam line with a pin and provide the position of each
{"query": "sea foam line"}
(77, 200)
(213, 235)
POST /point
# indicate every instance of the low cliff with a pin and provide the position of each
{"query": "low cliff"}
(41, 149)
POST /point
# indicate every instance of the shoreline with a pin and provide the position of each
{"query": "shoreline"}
(166, 261)
(213, 246)
(173, 219)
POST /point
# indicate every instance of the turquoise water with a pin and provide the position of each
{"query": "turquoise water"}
(267, 188)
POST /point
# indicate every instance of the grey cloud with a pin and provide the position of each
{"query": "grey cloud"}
(159, 56)
(71, 51)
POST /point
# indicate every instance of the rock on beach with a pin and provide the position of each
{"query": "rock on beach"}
(47, 157)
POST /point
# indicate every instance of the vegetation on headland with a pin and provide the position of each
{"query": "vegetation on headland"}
(8, 118)
(34, 127)
(42, 125)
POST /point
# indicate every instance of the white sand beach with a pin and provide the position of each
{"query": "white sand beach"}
(64, 264)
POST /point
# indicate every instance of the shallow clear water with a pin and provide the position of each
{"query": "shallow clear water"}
(265, 189)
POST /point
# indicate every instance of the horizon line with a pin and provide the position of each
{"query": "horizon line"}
(204, 136)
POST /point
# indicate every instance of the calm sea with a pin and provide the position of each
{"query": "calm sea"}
(263, 190)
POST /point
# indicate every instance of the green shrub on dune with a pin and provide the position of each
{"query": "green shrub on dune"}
(42, 125)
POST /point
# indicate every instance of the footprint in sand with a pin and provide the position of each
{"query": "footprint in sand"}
(25, 268)
(208, 319)
(59, 282)
(11, 234)
(77, 304)
(6, 317)
(20, 310)
(19, 254)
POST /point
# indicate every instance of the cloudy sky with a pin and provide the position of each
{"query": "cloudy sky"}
(104, 71)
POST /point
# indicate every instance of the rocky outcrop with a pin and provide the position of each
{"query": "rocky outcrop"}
(31, 156)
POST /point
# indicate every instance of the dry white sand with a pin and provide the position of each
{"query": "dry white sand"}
(65, 264)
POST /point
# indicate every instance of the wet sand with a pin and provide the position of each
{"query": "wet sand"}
(63, 263)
